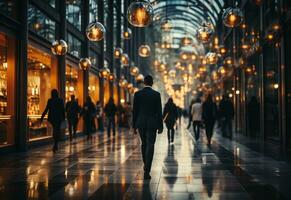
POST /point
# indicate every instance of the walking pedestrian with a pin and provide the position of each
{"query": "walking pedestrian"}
(72, 111)
(226, 112)
(190, 114)
(88, 113)
(170, 116)
(56, 115)
(147, 119)
(110, 111)
(196, 113)
(99, 116)
(209, 112)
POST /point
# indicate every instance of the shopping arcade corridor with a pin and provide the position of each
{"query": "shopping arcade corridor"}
(112, 169)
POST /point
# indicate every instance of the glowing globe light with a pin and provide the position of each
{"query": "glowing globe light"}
(129, 86)
(166, 24)
(127, 34)
(111, 77)
(211, 58)
(139, 78)
(123, 83)
(117, 52)
(95, 31)
(185, 41)
(140, 13)
(222, 71)
(193, 57)
(222, 50)
(205, 32)
(124, 59)
(59, 47)
(162, 67)
(232, 17)
(134, 71)
(172, 73)
(228, 61)
(184, 55)
(144, 51)
(104, 72)
(84, 63)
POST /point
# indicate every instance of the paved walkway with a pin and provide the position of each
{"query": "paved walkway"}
(111, 168)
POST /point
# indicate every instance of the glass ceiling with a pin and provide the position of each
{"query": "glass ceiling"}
(186, 15)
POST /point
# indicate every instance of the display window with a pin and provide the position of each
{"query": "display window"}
(74, 86)
(7, 90)
(93, 88)
(42, 78)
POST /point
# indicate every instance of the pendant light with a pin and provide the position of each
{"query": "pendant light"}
(59, 47)
(140, 13)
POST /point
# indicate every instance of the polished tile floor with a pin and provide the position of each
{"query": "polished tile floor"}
(111, 168)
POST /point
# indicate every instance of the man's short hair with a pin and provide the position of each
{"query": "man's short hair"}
(148, 80)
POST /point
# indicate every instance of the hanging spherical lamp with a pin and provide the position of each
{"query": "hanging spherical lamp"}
(205, 32)
(134, 71)
(123, 83)
(139, 78)
(193, 57)
(104, 72)
(211, 58)
(129, 86)
(232, 17)
(117, 52)
(166, 24)
(84, 63)
(124, 59)
(59, 47)
(95, 31)
(127, 34)
(222, 50)
(184, 55)
(228, 61)
(185, 41)
(162, 67)
(140, 13)
(144, 51)
(111, 77)
(172, 73)
(222, 71)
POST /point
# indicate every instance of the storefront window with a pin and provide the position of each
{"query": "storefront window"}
(93, 88)
(7, 85)
(73, 13)
(93, 10)
(40, 24)
(42, 78)
(93, 57)
(8, 7)
(271, 77)
(74, 45)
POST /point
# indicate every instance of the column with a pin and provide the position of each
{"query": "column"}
(109, 39)
(101, 46)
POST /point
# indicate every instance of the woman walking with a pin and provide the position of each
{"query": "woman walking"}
(88, 113)
(56, 115)
(209, 111)
(196, 112)
(170, 116)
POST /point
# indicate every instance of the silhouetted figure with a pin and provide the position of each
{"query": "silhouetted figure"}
(110, 111)
(190, 114)
(226, 112)
(56, 115)
(196, 113)
(147, 118)
(88, 113)
(73, 111)
(209, 111)
(254, 116)
(99, 116)
(170, 116)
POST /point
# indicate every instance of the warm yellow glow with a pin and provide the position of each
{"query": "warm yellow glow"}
(276, 86)
(230, 95)
(232, 19)
(270, 36)
(237, 92)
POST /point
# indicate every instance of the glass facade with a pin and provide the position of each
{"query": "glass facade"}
(93, 88)
(41, 24)
(8, 7)
(73, 13)
(42, 78)
(93, 13)
(7, 85)
(75, 45)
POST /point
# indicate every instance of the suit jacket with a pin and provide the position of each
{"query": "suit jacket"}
(147, 109)
(56, 111)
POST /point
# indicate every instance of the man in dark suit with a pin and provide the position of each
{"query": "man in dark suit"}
(147, 119)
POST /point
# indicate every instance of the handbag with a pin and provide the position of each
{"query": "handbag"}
(165, 118)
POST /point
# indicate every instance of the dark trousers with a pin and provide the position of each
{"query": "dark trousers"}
(111, 122)
(171, 133)
(189, 122)
(100, 123)
(226, 128)
(209, 125)
(72, 123)
(88, 127)
(56, 135)
(148, 139)
(196, 129)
